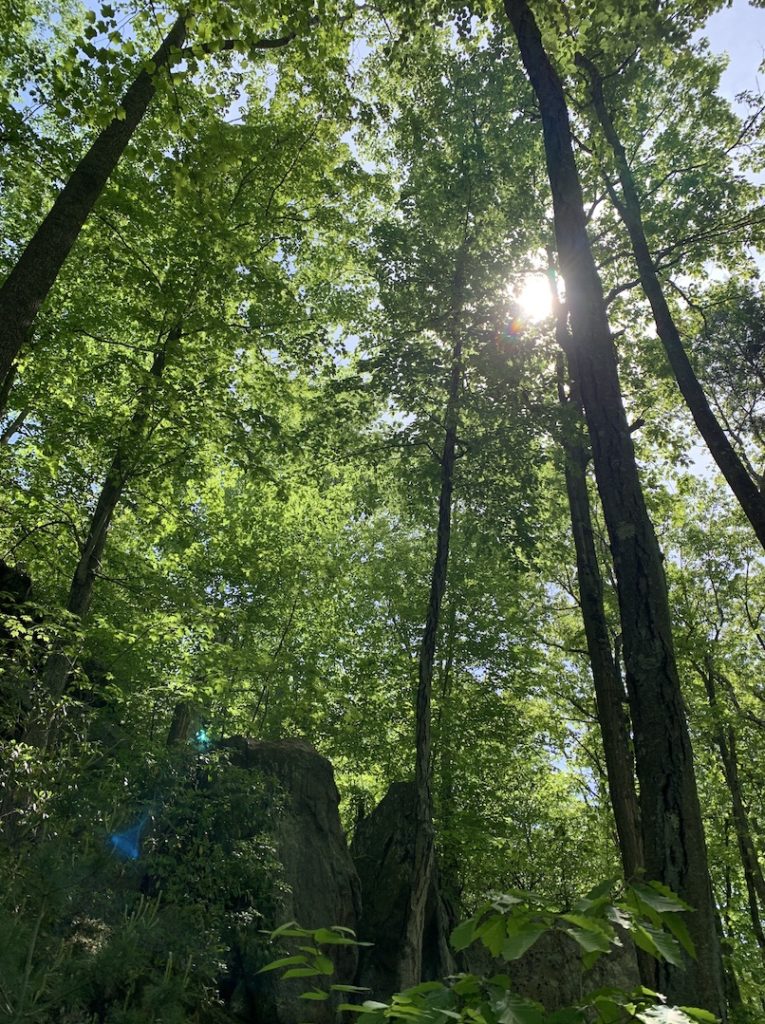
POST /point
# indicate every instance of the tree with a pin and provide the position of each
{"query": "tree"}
(673, 835)
(36, 270)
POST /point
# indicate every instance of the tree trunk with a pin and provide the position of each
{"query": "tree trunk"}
(6, 386)
(28, 284)
(751, 500)
(58, 667)
(423, 866)
(725, 739)
(673, 834)
(607, 681)
(180, 725)
(609, 690)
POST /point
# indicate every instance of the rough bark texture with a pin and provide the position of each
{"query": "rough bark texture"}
(322, 887)
(382, 850)
(673, 835)
(747, 492)
(607, 680)
(28, 284)
(609, 688)
(180, 726)
(423, 860)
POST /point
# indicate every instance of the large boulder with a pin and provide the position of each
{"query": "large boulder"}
(383, 850)
(321, 887)
(550, 972)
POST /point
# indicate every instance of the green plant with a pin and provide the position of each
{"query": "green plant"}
(508, 926)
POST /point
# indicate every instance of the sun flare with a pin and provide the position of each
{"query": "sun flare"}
(532, 293)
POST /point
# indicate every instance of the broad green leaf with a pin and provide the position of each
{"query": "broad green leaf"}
(521, 940)
(285, 961)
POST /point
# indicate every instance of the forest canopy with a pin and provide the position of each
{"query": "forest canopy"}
(387, 377)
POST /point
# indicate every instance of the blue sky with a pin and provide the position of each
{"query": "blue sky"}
(738, 31)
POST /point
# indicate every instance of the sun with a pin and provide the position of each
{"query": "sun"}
(532, 293)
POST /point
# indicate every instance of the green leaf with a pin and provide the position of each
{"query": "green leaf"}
(492, 933)
(328, 937)
(521, 940)
(696, 1014)
(324, 964)
(679, 929)
(464, 934)
(301, 972)
(285, 961)
(659, 897)
(511, 1009)
(316, 994)
(590, 941)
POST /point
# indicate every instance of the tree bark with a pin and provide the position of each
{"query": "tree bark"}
(609, 690)
(423, 866)
(672, 829)
(35, 273)
(180, 725)
(6, 386)
(749, 496)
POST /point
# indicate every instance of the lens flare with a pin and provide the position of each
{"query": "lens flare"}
(534, 298)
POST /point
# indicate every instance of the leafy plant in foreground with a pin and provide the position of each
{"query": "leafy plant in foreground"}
(648, 914)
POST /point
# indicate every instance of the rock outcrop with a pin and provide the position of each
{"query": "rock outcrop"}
(382, 850)
(321, 884)
(550, 971)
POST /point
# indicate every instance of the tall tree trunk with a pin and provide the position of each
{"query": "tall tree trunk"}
(423, 865)
(673, 834)
(725, 739)
(608, 684)
(35, 273)
(609, 690)
(58, 667)
(6, 386)
(751, 500)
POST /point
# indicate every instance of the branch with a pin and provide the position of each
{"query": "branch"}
(233, 44)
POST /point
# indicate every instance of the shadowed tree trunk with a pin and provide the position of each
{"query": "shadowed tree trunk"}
(749, 496)
(6, 387)
(423, 866)
(58, 667)
(672, 830)
(180, 725)
(609, 689)
(35, 273)
(607, 681)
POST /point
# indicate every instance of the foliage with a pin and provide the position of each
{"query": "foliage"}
(647, 914)
(283, 229)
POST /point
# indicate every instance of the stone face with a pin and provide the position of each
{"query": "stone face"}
(318, 873)
(551, 971)
(382, 849)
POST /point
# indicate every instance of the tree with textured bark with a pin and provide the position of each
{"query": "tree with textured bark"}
(609, 687)
(673, 834)
(454, 235)
(629, 207)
